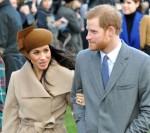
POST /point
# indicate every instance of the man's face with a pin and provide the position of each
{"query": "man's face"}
(96, 37)
(14, 3)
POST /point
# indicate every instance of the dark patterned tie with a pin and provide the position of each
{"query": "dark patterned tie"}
(105, 71)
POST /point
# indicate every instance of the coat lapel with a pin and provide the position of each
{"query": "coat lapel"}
(29, 84)
(96, 72)
(135, 29)
(60, 79)
(124, 33)
(119, 66)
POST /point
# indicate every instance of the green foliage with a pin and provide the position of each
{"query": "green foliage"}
(70, 122)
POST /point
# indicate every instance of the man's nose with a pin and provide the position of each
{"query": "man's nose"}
(88, 36)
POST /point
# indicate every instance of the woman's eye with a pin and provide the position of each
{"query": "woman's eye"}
(46, 50)
(36, 52)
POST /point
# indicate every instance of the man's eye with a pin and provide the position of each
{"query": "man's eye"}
(94, 32)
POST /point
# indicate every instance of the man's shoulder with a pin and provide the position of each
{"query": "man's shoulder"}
(85, 52)
(136, 55)
(85, 55)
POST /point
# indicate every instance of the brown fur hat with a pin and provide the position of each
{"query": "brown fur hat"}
(30, 38)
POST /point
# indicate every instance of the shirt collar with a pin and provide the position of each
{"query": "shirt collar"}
(113, 54)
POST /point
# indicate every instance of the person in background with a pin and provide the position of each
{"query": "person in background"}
(39, 92)
(46, 17)
(14, 3)
(132, 13)
(10, 24)
(27, 10)
(146, 6)
(70, 10)
(113, 77)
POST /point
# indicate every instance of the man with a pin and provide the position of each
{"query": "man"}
(10, 23)
(120, 104)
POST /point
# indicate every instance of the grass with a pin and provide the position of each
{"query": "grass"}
(70, 122)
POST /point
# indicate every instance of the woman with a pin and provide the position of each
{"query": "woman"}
(132, 15)
(39, 92)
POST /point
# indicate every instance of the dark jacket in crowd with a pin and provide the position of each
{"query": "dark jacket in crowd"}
(46, 19)
(10, 23)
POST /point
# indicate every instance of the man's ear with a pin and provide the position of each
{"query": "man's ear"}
(111, 31)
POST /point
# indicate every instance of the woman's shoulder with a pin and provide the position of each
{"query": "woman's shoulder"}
(61, 69)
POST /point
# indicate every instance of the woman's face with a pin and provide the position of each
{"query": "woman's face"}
(76, 4)
(129, 6)
(46, 4)
(40, 58)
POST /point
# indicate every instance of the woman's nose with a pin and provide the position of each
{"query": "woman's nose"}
(42, 56)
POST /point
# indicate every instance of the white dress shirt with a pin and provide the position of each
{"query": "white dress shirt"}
(112, 57)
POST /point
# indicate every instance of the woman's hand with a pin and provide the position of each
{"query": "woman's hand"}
(80, 99)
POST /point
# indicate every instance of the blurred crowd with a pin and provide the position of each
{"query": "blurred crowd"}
(65, 18)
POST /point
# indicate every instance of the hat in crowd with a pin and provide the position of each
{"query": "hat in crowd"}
(30, 38)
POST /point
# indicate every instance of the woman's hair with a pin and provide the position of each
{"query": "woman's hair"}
(140, 8)
(107, 15)
(63, 57)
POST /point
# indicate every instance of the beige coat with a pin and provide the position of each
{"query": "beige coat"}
(29, 108)
(145, 31)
